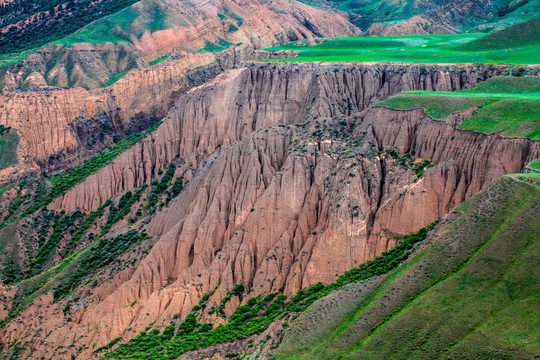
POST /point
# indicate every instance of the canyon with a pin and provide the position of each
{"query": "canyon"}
(286, 166)
(176, 185)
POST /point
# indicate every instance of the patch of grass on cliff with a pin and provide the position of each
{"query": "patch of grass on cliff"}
(217, 46)
(470, 293)
(509, 105)
(115, 77)
(255, 316)
(8, 147)
(437, 107)
(507, 85)
(534, 165)
(14, 58)
(427, 49)
(513, 118)
(159, 60)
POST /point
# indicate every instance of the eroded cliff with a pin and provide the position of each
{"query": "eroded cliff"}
(291, 177)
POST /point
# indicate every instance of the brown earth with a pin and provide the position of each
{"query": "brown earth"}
(416, 25)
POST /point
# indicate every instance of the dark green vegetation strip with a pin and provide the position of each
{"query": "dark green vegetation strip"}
(115, 77)
(61, 224)
(58, 19)
(24, 205)
(470, 293)
(159, 60)
(100, 254)
(62, 183)
(256, 315)
(427, 49)
(509, 105)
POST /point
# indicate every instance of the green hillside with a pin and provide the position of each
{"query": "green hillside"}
(423, 49)
(534, 165)
(510, 105)
(520, 35)
(471, 291)
(124, 26)
(28, 24)
(482, 14)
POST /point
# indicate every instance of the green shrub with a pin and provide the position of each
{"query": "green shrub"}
(103, 252)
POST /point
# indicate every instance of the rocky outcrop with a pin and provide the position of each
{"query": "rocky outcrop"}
(416, 25)
(290, 182)
(45, 117)
(466, 163)
(271, 55)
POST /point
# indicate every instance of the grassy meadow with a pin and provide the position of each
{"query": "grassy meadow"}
(518, 44)
(422, 49)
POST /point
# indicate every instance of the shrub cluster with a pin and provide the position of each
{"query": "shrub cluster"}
(62, 224)
(124, 206)
(100, 255)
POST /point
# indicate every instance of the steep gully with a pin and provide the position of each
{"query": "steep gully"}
(290, 183)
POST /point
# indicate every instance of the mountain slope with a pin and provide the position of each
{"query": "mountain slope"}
(385, 17)
(59, 128)
(28, 24)
(469, 291)
(151, 30)
(517, 36)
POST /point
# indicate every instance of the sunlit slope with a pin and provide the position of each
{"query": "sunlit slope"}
(436, 14)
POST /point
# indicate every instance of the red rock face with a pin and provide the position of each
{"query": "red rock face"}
(274, 95)
(43, 118)
(290, 183)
